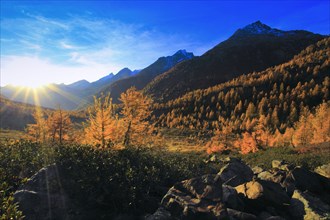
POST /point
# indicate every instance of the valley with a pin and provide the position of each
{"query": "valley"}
(230, 134)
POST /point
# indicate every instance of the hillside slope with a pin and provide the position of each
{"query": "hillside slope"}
(15, 115)
(253, 48)
(141, 79)
(275, 96)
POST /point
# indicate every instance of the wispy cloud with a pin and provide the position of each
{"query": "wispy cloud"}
(65, 50)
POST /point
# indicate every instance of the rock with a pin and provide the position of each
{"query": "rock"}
(281, 165)
(213, 158)
(231, 160)
(42, 196)
(256, 170)
(289, 185)
(306, 206)
(205, 187)
(238, 215)
(160, 214)
(231, 198)
(235, 172)
(323, 170)
(197, 198)
(307, 180)
(274, 176)
(268, 216)
(261, 194)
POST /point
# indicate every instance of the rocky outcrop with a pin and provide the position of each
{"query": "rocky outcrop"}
(42, 196)
(197, 198)
(238, 192)
(260, 194)
(235, 172)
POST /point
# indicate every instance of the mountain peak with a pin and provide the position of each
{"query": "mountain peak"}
(258, 28)
(124, 71)
(184, 53)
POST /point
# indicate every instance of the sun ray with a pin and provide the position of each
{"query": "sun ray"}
(36, 98)
(18, 91)
(43, 91)
(26, 95)
(67, 95)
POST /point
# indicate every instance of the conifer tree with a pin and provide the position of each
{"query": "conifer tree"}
(59, 125)
(321, 124)
(101, 121)
(38, 131)
(136, 112)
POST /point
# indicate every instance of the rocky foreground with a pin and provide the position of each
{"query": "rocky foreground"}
(237, 192)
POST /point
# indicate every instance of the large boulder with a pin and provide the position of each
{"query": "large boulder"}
(306, 206)
(42, 196)
(323, 170)
(239, 215)
(307, 180)
(197, 198)
(267, 216)
(260, 194)
(160, 214)
(231, 199)
(235, 172)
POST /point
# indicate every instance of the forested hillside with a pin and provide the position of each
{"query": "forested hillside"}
(274, 98)
(15, 115)
(255, 47)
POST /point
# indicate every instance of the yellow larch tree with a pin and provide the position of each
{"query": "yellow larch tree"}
(321, 124)
(136, 111)
(303, 128)
(247, 144)
(38, 131)
(59, 126)
(100, 126)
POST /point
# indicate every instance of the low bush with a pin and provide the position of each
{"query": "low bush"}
(101, 183)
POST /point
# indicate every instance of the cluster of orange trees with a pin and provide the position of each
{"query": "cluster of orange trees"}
(104, 126)
(311, 128)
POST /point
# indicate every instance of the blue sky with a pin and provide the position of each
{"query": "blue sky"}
(65, 41)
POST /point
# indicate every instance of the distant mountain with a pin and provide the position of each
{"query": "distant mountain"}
(65, 96)
(15, 115)
(142, 78)
(100, 84)
(81, 84)
(252, 48)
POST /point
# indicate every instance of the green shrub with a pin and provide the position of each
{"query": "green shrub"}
(8, 208)
(101, 183)
(264, 158)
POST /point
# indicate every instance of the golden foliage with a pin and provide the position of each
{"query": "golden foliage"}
(136, 113)
(59, 126)
(247, 144)
(103, 127)
(55, 126)
(38, 131)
